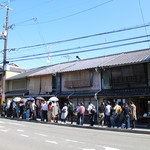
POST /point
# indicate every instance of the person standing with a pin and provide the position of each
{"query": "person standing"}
(91, 110)
(44, 111)
(116, 116)
(81, 113)
(108, 110)
(49, 111)
(101, 116)
(127, 112)
(17, 109)
(133, 114)
(70, 111)
(33, 110)
(55, 112)
(78, 113)
(22, 108)
(40, 109)
(59, 112)
(27, 110)
(64, 113)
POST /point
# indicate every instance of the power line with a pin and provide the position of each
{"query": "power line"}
(77, 13)
(83, 51)
(143, 19)
(80, 47)
(84, 37)
(32, 19)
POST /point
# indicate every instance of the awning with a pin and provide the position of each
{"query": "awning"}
(41, 95)
(76, 94)
(125, 92)
(16, 93)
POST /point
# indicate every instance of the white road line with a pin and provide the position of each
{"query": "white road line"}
(16, 124)
(19, 130)
(3, 130)
(68, 140)
(41, 134)
(110, 148)
(24, 135)
(87, 149)
(2, 122)
(53, 142)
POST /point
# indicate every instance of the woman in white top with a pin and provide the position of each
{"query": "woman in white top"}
(64, 113)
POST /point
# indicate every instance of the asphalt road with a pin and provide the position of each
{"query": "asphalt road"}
(22, 135)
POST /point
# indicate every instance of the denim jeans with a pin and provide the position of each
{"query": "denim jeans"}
(91, 119)
(108, 121)
(127, 121)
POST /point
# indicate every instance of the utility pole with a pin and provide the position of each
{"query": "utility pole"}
(5, 37)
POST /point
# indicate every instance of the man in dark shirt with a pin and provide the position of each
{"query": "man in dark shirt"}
(127, 112)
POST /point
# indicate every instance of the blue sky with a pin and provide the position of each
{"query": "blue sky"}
(46, 21)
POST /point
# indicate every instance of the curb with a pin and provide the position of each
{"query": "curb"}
(136, 131)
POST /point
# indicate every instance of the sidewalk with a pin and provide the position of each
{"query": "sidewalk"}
(87, 126)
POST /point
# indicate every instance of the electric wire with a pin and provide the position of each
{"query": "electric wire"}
(83, 37)
(77, 13)
(40, 34)
(143, 19)
(87, 46)
(83, 51)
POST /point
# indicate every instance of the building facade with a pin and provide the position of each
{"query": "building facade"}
(121, 77)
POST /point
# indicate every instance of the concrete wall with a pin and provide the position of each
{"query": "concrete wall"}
(8, 75)
(11, 74)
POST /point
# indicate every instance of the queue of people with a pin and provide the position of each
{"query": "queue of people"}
(30, 110)
(112, 116)
(118, 116)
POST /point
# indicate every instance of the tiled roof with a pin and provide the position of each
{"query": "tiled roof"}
(53, 69)
(87, 64)
(132, 57)
(129, 58)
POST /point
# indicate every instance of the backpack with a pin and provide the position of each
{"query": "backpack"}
(93, 110)
(70, 107)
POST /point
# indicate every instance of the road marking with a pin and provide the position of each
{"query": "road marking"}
(87, 149)
(68, 140)
(3, 130)
(110, 148)
(16, 124)
(24, 135)
(2, 122)
(41, 134)
(19, 130)
(53, 142)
